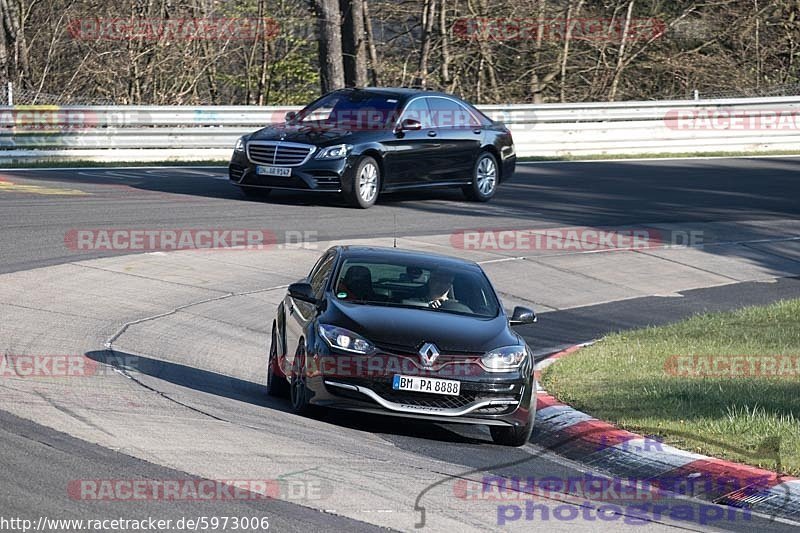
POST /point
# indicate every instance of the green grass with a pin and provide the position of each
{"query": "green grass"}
(754, 420)
(102, 164)
(658, 155)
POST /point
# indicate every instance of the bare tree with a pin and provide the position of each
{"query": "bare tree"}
(671, 49)
(428, 16)
(567, 39)
(444, 36)
(330, 44)
(353, 45)
(14, 38)
(538, 85)
(487, 68)
(375, 66)
(621, 54)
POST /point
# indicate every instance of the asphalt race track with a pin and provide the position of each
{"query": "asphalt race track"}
(541, 195)
(205, 387)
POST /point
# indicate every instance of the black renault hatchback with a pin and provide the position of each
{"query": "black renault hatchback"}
(404, 333)
(362, 142)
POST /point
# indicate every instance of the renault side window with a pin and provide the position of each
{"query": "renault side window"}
(321, 274)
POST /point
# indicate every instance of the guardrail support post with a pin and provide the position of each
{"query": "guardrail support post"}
(10, 94)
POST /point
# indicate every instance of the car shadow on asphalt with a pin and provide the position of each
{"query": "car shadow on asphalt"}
(189, 377)
(393, 428)
(195, 182)
(256, 394)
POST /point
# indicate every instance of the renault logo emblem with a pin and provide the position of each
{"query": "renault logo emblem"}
(429, 353)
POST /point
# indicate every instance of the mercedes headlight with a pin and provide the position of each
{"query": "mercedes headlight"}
(239, 145)
(504, 359)
(335, 152)
(343, 339)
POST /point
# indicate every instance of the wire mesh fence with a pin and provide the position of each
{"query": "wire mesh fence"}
(12, 95)
(789, 89)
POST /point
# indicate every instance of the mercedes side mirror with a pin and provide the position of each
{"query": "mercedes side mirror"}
(410, 124)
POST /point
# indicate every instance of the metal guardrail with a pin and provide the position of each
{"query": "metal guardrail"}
(142, 133)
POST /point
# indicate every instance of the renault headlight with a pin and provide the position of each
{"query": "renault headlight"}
(504, 359)
(343, 339)
(335, 152)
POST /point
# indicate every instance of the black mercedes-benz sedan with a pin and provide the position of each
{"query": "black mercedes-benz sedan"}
(363, 142)
(403, 333)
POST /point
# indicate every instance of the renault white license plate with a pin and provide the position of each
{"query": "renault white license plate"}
(431, 385)
(281, 172)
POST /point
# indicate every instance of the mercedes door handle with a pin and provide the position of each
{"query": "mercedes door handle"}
(431, 133)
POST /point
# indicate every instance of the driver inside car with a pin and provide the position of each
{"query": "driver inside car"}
(440, 286)
(438, 294)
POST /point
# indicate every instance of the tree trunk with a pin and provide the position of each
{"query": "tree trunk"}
(5, 74)
(758, 47)
(15, 36)
(621, 57)
(355, 60)
(487, 63)
(330, 45)
(428, 14)
(373, 51)
(209, 51)
(537, 87)
(444, 36)
(565, 51)
(263, 75)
